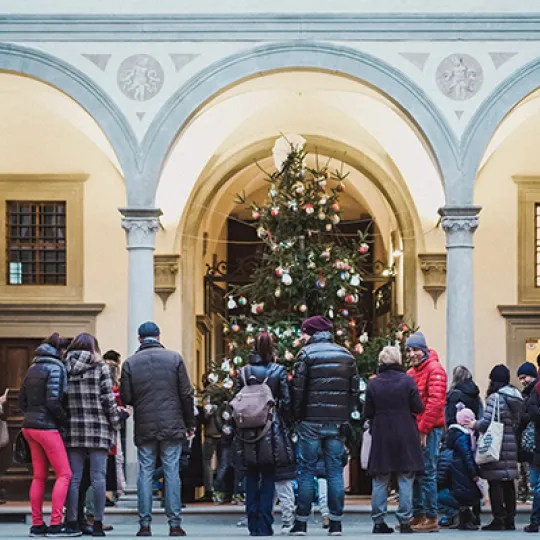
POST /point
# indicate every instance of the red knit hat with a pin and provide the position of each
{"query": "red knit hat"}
(316, 324)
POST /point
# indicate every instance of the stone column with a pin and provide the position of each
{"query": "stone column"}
(141, 226)
(459, 223)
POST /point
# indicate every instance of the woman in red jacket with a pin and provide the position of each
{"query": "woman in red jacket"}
(430, 378)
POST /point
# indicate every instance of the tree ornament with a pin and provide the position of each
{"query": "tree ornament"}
(213, 378)
(364, 338)
(309, 209)
(303, 308)
(257, 309)
(237, 360)
(262, 233)
(256, 215)
(363, 249)
(226, 329)
(226, 365)
(321, 282)
(349, 299)
(341, 187)
(341, 293)
(231, 304)
(336, 219)
(328, 227)
(289, 356)
(340, 332)
(358, 348)
(299, 188)
(228, 383)
(275, 211)
(250, 329)
(345, 275)
(322, 201)
(345, 312)
(325, 255)
(279, 271)
(322, 182)
(352, 323)
(235, 328)
(355, 280)
(322, 216)
(287, 280)
(242, 301)
(330, 313)
(277, 293)
(273, 191)
(293, 205)
(335, 207)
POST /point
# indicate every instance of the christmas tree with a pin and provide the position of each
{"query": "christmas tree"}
(308, 267)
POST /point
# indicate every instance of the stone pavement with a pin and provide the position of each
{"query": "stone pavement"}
(214, 527)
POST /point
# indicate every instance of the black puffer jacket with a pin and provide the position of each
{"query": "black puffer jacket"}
(43, 391)
(155, 381)
(467, 393)
(528, 391)
(276, 449)
(325, 382)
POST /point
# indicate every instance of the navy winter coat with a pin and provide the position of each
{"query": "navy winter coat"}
(463, 468)
(275, 450)
(443, 468)
(43, 391)
(528, 396)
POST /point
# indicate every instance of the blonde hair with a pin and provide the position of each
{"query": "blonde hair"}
(390, 355)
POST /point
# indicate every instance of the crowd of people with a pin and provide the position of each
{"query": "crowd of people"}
(280, 429)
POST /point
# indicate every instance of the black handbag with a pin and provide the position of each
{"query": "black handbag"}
(21, 450)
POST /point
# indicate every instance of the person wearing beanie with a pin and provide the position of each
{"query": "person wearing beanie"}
(464, 492)
(324, 390)
(504, 404)
(430, 377)
(156, 384)
(529, 475)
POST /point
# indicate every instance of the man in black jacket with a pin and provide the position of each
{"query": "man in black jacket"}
(324, 391)
(155, 382)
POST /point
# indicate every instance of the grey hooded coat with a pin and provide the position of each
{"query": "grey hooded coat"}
(511, 402)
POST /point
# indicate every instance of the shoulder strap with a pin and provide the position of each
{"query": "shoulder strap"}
(260, 436)
(243, 375)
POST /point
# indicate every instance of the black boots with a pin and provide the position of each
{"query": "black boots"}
(466, 520)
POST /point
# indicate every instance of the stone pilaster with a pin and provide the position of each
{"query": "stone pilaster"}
(460, 223)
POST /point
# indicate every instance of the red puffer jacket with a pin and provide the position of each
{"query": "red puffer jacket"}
(430, 378)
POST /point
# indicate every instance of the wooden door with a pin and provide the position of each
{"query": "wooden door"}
(15, 358)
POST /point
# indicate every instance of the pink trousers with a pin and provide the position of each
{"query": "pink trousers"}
(47, 446)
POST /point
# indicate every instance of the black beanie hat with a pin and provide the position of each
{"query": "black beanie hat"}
(528, 368)
(500, 374)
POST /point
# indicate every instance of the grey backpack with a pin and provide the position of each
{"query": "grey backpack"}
(253, 407)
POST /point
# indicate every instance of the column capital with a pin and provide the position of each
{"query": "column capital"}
(141, 226)
(459, 218)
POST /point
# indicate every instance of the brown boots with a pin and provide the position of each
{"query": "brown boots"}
(424, 524)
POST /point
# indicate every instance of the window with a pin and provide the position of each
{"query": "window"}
(36, 243)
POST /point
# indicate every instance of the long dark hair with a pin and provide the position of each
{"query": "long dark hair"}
(58, 342)
(264, 347)
(494, 387)
(85, 342)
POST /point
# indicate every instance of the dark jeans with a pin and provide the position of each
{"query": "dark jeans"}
(224, 466)
(448, 505)
(315, 440)
(535, 486)
(425, 486)
(260, 501)
(503, 500)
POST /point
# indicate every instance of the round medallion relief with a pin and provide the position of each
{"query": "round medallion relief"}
(459, 76)
(140, 77)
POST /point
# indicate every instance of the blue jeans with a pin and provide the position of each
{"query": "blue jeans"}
(535, 487)
(170, 460)
(447, 503)
(260, 501)
(379, 498)
(314, 440)
(425, 487)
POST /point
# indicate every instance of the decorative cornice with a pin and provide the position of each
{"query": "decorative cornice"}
(165, 270)
(251, 27)
(520, 311)
(459, 218)
(433, 266)
(34, 308)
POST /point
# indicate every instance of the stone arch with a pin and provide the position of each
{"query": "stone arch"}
(79, 87)
(343, 61)
(483, 125)
(392, 187)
